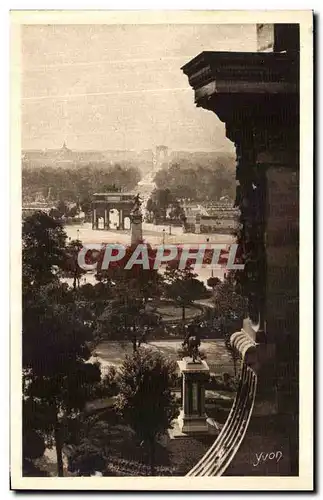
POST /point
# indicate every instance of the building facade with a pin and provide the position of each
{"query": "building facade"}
(256, 96)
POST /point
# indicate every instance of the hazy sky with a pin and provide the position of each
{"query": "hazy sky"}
(120, 86)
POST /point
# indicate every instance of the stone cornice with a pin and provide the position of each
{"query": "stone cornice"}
(252, 92)
(243, 73)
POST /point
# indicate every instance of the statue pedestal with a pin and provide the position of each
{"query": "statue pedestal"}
(136, 228)
(192, 418)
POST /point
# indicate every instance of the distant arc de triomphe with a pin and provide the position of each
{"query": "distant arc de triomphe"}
(102, 203)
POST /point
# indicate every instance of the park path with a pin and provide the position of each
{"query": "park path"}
(112, 353)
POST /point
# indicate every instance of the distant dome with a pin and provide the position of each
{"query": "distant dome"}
(65, 151)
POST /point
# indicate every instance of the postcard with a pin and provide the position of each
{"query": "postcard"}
(161, 217)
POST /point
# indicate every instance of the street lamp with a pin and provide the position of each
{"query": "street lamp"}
(163, 236)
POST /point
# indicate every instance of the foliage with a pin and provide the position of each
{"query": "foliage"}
(78, 184)
(182, 287)
(58, 379)
(151, 206)
(33, 444)
(213, 281)
(229, 306)
(127, 313)
(230, 309)
(199, 179)
(43, 249)
(127, 318)
(223, 382)
(176, 212)
(86, 459)
(88, 447)
(123, 467)
(110, 381)
(144, 283)
(55, 355)
(71, 268)
(145, 400)
(119, 316)
(162, 200)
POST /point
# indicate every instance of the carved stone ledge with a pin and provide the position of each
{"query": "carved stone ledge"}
(245, 87)
(251, 347)
(243, 72)
(246, 348)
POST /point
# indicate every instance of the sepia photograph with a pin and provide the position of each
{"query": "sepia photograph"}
(157, 322)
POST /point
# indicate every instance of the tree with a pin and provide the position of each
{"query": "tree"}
(55, 359)
(163, 198)
(152, 209)
(43, 249)
(77, 181)
(182, 286)
(72, 211)
(62, 208)
(177, 212)
(55, 213)
(213, 282)
(110, 188)
(127, 318)
(86, 459)
(57, 336)
(92, 301)
(119, 316)
(150, 205)
(230, 309)
(127, 314)
(86, 204)
(71, 268)
(145, 400)
(34, 425)
(199, 178)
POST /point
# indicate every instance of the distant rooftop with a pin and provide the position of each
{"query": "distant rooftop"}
(122, 193)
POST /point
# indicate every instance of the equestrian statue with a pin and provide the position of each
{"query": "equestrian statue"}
(192, 341)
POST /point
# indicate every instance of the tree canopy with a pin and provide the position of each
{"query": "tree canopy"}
(182, 286)
(230, 308)
(58, 378)
(199, 180)
(71, 268)
(77, 183)
(43, 248)
(145, 400)
(161, 203)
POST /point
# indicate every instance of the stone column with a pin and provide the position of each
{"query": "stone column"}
(182, 391)
(201, 398)
(106, 218)
(186, 394)
(283, 279)
(121, 223)
(94, 219)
